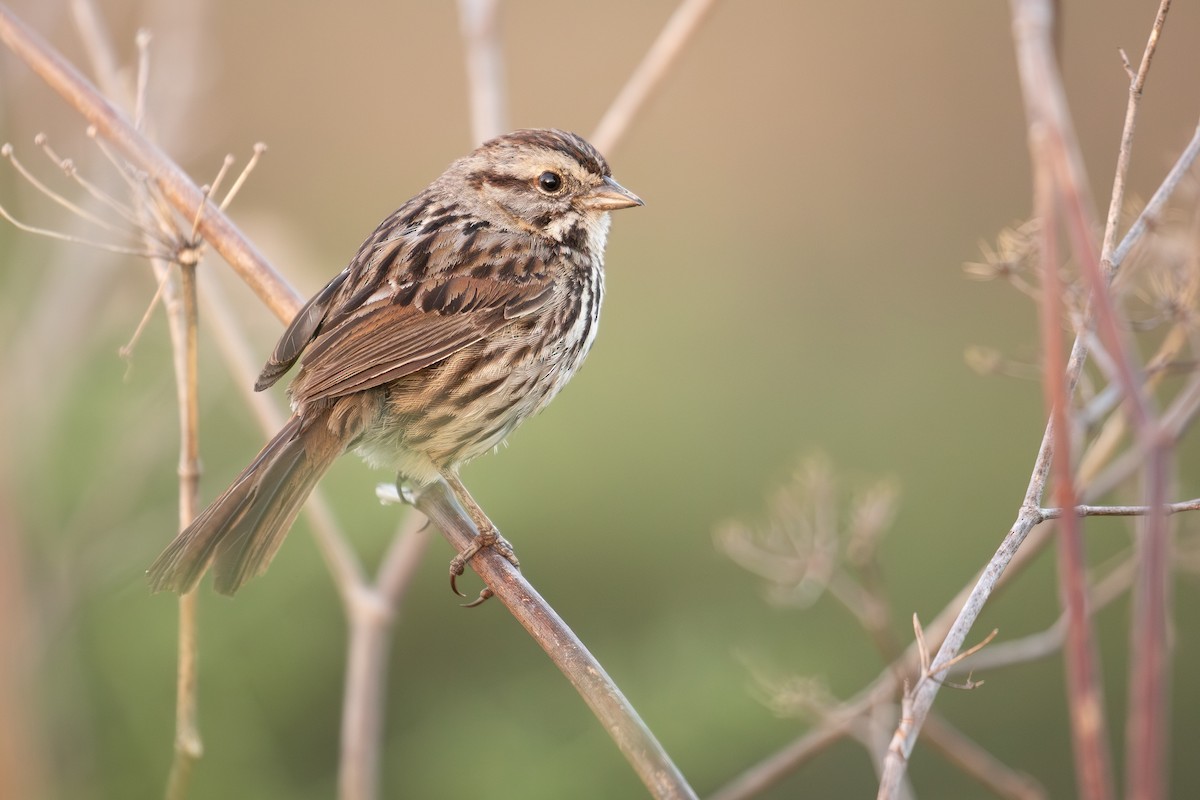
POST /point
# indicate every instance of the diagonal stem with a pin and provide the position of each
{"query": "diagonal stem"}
(607, 702)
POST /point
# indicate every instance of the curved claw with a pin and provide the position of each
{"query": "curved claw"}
(484, 594)
(458, 565)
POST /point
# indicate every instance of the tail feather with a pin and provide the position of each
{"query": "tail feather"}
(243, 528)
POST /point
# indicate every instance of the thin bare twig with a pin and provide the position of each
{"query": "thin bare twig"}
(1146, 728)
(658, 60)
(1137, 83)
(882, 690)
(1146, 736)
(1122, 511)
(1026, 534)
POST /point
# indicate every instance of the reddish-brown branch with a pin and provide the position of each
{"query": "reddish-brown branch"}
(1146, 734)
(1089, 732)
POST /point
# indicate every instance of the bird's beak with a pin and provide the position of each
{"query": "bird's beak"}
(609, 196)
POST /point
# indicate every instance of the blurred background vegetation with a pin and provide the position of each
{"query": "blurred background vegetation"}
(814, 180)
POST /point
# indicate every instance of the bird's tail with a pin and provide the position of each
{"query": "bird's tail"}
(241, 530)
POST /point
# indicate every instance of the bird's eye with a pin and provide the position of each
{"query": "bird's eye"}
(549, 182)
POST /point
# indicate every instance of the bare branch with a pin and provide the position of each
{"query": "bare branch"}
(1122, 511)
(1086, 709)
(1136, 84)
(181, 304)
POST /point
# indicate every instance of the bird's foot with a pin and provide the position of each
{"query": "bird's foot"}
(487, 537)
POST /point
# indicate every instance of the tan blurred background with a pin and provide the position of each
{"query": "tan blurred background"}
(815, 175)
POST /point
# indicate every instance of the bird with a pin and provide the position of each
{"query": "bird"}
(462, 315)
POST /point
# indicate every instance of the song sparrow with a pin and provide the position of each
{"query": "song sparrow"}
(464, 313)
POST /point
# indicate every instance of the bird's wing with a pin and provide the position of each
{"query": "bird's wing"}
(388, 339)
(299, 333)
(422, 287)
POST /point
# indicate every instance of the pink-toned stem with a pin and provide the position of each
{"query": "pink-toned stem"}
(1084, 700)
(1146, 731)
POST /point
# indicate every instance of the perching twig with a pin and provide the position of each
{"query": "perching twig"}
(618, 717)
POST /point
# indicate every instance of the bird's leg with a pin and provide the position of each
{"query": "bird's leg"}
(488, 536)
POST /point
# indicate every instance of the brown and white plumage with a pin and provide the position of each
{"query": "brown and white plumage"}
(463, 314)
